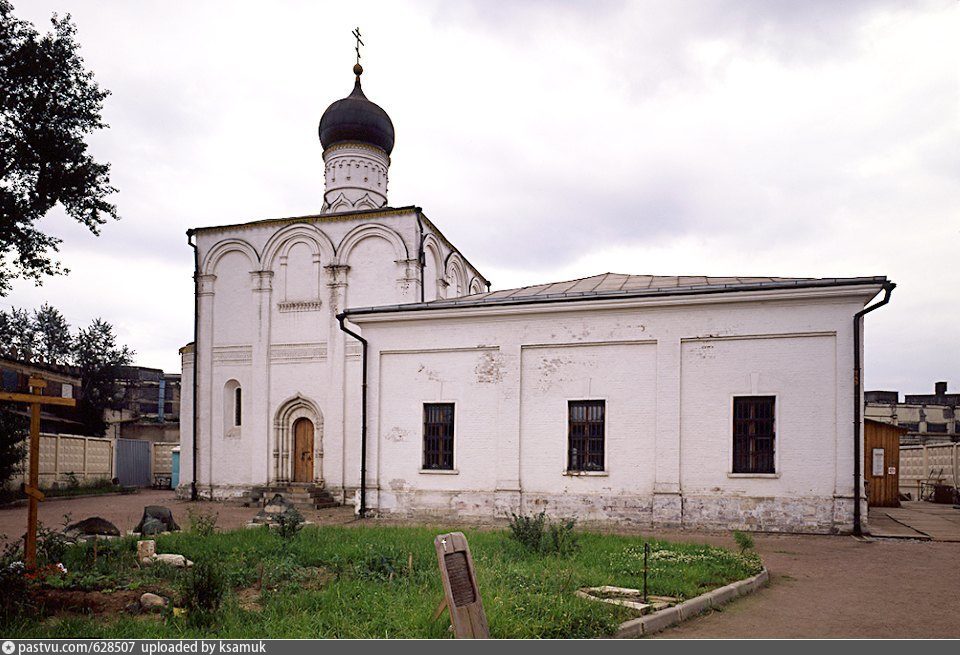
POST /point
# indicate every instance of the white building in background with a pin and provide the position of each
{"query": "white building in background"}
(358, 351)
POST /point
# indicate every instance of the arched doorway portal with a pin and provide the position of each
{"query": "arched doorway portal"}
(298, 442)
(303, 450)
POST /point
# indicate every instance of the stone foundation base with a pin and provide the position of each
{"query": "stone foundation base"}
(820, 515)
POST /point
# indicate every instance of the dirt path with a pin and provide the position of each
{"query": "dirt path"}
(841, 587)
(820, 587)
(125, 512)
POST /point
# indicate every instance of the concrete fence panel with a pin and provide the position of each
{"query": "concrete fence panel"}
(162, 462)
(163, 458)
(65, 458)
(930, 461)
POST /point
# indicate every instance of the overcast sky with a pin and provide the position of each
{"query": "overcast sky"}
(548, 140)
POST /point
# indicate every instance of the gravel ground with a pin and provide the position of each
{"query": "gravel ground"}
(820, 586)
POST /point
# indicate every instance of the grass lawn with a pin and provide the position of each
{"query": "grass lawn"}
(359, 582)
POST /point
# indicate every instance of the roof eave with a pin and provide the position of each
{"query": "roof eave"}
(864, 288)
(317, 218)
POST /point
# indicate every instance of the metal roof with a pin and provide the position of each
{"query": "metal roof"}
(618, 285)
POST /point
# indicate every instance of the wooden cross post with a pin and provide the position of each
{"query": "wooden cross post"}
(35, 399)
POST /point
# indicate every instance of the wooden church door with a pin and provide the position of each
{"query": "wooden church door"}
(303, 450)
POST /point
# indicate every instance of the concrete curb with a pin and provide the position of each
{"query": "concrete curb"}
(665, 618)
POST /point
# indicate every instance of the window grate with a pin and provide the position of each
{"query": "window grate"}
(586, 434)
(753, 434)
(438, 436)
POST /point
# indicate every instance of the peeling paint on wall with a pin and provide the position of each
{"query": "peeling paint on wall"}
(429, 373)
(397, 435)
(490, 368)
(705, 351)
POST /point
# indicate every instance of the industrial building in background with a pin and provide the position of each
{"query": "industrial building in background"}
(927, 418)
(62, 381)
(149, 409)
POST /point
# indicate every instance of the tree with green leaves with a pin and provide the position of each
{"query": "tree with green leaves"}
(51, 336)
(96, 353)
(49, 105)
(40, 336)
(17, 334)
(13, 433)
(44, 335)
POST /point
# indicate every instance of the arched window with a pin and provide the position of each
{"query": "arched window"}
(232, 408)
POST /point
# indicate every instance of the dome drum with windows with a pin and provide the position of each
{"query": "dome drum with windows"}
(357, 137)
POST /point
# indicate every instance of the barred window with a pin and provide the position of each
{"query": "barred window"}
(438, 436)
(585, 435)
(753, 434)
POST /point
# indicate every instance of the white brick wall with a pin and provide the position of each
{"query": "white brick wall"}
(270, 293)
(668, 375)
(667, 368)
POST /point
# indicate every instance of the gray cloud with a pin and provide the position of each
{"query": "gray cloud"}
(547, 139)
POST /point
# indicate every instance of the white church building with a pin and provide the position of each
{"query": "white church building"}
(358, 353)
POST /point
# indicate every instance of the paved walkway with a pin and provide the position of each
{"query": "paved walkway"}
(821, 586)
(916, 520)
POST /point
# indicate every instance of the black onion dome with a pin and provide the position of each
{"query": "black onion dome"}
(356, 119)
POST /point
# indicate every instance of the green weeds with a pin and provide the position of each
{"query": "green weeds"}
(378, 581)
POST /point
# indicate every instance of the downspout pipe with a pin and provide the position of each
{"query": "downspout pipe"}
(888, 288)
(196, 358)
(421, 257)
(363, 413)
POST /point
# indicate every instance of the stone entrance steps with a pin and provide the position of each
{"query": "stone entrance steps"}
(301, 496)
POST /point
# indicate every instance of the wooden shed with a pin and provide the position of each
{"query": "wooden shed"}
(881, 463)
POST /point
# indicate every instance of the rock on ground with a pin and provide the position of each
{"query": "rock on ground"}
(150, 602)
(146, 549)
(178, 561)
(158, 513)
(93, 526)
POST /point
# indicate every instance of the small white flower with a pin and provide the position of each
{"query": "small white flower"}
(62, 568)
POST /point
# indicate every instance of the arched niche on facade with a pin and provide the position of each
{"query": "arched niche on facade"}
(456, 274)
(476, 286)
(376, 260)
(297, 254)
(432, 268)
(222, 248)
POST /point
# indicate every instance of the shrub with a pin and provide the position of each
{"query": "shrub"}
(202, 523)
(51, 544)
(14, 585)
(289, 523)
(538, 534)
(203, 591)
(560, 538)
(14, 592)
(528, 530)
(744, 541)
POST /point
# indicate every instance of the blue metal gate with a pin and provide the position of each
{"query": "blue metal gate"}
(133, 463)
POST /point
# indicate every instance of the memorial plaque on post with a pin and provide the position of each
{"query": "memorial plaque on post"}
(462, 596)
